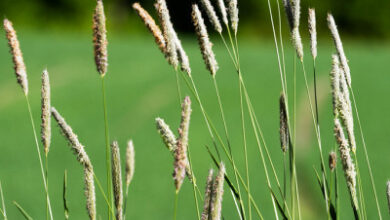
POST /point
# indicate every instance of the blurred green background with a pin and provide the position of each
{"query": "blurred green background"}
(141, 86)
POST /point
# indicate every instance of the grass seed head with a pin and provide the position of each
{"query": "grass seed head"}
(17, 56)
(335, 82)
(332, 160)
(83, 159)
(182, 56)
(180, 156)
(100, 38)
(284, 128)
(222, 8)
(204, 41)
(208, 195)
(117, 179)
(313, 32)
(216, 201)
(339, 47)
(130, 162)
(151, 25)
(297, 41)
(289, 13)
(45, 112)
(208, 7)
(233, 14)
(166, 134)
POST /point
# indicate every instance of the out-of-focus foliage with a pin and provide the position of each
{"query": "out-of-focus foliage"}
(357, 17)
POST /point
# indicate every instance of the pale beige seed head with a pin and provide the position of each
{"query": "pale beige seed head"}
(335, 83)
(182, 56)
(130, 162)
(332, 160)
(83, 159)
(216, 201)
(284, 129)
(346, 160)
(388, 193)
(17, 56)
(168, 33)
(45, 112)
(181, 159)
(151, 25)
(222, 8)
(166, 134)
(297, 41)
(117, 179)
(233, 14)
(208, 195)
(100, 38)
(313, 32)
(339, 47)
(296, 10)
(204, 41)
(208, 7)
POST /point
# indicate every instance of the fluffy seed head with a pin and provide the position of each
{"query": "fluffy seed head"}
(233, 14)
(117, 179)
(168, 33)
(166, 134)
(339, 47)
(296, 10)
(100, 38)
(284, 129)
(151, 25)
(335, 82)
(208, 195)
(17, 56)
(297, 41)
(313, 32)
(204, 41)
(45, 112)
(181, 160)
(346, 160)
(332, 160)
(216, 201)
(222, 8)
(208, 7)
(130, 162)
(182, 56)
(83, 159)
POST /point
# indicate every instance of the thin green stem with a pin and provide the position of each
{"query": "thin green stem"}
(366, 155)
(178, 86)
(110, 210)
(47, 182)
(3, 210)
(39, 157)
(193, 184)
(175, 205)
(107, 142)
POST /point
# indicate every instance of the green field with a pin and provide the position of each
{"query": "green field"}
(141, 86)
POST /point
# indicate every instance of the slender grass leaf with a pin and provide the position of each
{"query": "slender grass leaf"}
(22, 211)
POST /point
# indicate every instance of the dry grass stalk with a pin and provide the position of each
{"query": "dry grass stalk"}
(100, 38)
(204, 41)
(222, 8)
(168, 33)
(130, 162)
(208, 7)
(166, 134)
(208, 195)
(216, 201)
(180, 156)
(45, 112)
(284, 128)
(17, 56)
(346, 160)
(233, 14)
(151, 25)
(83, 159)
(117, 179)
(332, 160)
(339, 47)
(313, 32)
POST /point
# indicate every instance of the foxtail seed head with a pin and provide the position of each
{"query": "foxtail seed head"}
(204, 41)
(17, 56)
(297, 41)
(296, 9)
(117, 179)
(332, 160)
(313, 32)
(181, 160)
(284, 128)
(100, 38)
(166, 134)
(130, 162)
(339, 47)
(208, 195)
(208, 7)
(45, 112)
(233, 14)
(182, 56)
(83, 159)
(216, 201)
(222, 8)
(151, 25)
(289, 13)
(168, 33)
(335, 82)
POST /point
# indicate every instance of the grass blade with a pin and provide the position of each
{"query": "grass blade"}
(22, 211)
